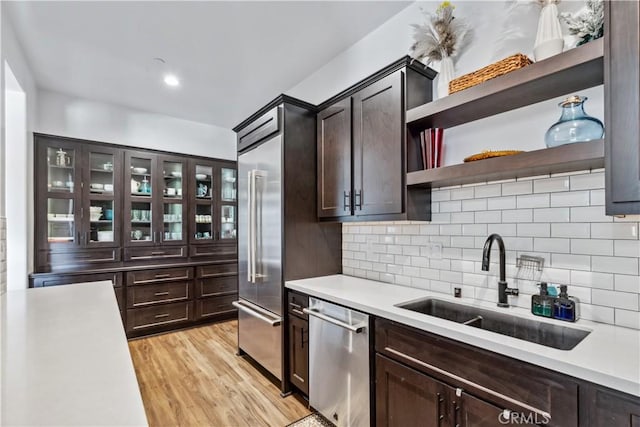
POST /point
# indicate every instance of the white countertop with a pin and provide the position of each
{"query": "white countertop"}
(609, 355)
(65, 359)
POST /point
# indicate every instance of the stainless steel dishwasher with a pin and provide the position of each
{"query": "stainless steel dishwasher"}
(339, 363)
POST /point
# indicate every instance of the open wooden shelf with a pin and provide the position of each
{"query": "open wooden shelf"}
(565, 158)
(571, 71)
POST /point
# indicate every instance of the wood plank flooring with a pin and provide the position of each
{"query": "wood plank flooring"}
(194, 378)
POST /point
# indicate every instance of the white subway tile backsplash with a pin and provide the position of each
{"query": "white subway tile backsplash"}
(628, 319)
(570, 198)
(591, 247)
(609, 264)
(559, 217)
(589, 214)
(625, 300)
(551, 215)
(533, 201)
(587, 181)
(515, 188)
(490, 190)
(550, 185)
(499, 203)
(621, 230)
(571, 230)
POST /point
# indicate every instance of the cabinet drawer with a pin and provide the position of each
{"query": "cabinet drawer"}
(213, 250)
(38, 281)
(158, 276)
(161, 315)
(216, 270)
(139, 254)
(216, 305)
(262, 127)
(506, 382)
(216, 286)
(80, 258)
(140, 296)
(296, 302)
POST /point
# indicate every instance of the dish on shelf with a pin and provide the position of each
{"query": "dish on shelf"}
(60, 239)
(176, 174)
(140, 170)
(488, 154)
(57, 184)
(201, 176)
(230, 179)
(97, 186)
(108, 187)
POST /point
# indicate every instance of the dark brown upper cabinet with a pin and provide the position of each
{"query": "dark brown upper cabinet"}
(334, 160)
(361, 148)
(622, 107)
(77, 203)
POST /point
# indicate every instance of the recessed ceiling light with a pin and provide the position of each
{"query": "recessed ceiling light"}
(171, 80)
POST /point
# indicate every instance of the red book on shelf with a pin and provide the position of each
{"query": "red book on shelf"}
(423, 151)
(436, 136)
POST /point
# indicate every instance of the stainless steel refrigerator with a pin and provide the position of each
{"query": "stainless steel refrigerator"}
(279, 236)
(260, 254)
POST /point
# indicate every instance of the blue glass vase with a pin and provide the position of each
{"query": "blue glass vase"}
(574, 125)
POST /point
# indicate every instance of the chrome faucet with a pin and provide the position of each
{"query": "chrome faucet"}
(503, 289)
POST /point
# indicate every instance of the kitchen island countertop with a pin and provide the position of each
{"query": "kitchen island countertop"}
(65, 359)
(609, 355)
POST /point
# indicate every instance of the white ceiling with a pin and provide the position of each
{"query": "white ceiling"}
(232, 57)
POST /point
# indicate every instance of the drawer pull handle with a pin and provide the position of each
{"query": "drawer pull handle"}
(297, 312)
(158, 253)
(160, 294)
(162, 276)
(294, 305)
(298, 377)
(160, 316)
(467, 382)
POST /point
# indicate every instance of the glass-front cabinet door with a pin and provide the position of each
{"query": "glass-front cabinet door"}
(59, 193)
(173, 227)
(139, 211)
(228, 204)
(101, 203)
(202, 224)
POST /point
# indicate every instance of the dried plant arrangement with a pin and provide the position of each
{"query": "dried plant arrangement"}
(441, 36)
(588, 24)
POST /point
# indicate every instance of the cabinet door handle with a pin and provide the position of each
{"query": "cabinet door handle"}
(158, 253)
(160, 316)
(296, 311)
(347, 200)
(439, 415)
(161, 294)
(162, 276)
(358, 200)
(298, 377)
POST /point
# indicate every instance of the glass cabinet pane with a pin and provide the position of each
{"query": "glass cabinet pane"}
(172, 173)
(141, 177)
(204, 182)
(141, 221)
(204, 222)
(101, 173)
(60, 221)
(60, 167)
(101, 221)
(228, 222)
(228, 187)
(172, 221)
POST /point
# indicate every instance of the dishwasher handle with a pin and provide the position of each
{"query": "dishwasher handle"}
(353, 328)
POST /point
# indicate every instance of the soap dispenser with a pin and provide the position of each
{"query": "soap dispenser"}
(566, 307)
(542, 304)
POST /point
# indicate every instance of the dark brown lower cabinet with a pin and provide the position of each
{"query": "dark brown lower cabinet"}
(609, 408)
(299, 353)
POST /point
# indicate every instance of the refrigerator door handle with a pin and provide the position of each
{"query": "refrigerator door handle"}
(255, 312)
(251, 231)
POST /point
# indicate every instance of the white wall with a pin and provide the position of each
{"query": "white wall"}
(19, 156)
(500, 29)
(65, 115)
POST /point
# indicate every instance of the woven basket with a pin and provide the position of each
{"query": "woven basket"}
(507, 65)
(488, 154)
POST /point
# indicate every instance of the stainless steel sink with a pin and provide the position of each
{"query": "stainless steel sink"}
(546, 334)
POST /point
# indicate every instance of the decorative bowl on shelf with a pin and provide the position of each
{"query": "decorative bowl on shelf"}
(201, 176)
(140, 170)
(176, 174)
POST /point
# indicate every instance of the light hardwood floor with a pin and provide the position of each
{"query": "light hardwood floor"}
(194, 378)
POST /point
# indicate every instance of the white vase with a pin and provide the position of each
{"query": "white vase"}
(445, 76)
(549, 41)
